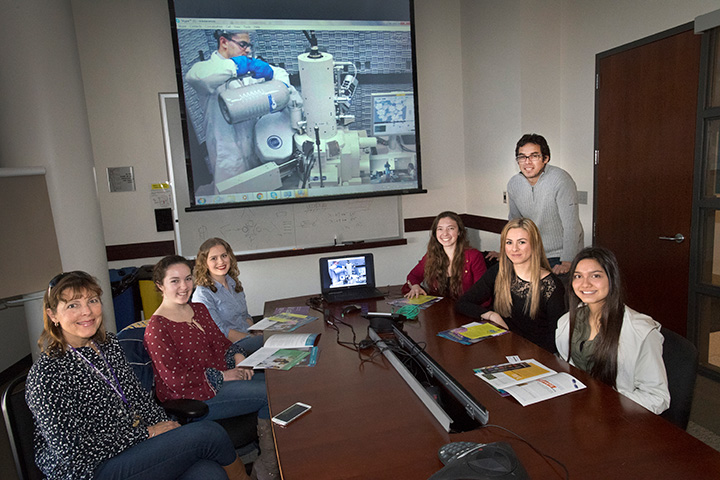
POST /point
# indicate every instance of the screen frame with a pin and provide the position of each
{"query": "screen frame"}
(326, 281)
(316, 10)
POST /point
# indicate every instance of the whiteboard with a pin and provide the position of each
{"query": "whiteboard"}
(269, 227)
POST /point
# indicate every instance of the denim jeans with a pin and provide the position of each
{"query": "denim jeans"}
(193, 451)
(251, 343)
(239, 397)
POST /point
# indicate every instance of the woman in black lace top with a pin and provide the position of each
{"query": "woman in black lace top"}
(527, 297)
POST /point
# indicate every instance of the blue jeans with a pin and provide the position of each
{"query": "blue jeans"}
(239, 397)
(251, 343)
(193, 451)
(554, 261)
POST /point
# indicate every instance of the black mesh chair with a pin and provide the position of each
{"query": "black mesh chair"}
(20, 426)
(681, 361)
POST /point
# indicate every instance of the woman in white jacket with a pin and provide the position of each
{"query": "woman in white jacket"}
(609, 340)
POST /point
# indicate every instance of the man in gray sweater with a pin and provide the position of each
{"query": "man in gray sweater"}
(548, 196)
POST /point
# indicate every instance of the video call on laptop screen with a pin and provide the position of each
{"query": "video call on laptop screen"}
(347, 272)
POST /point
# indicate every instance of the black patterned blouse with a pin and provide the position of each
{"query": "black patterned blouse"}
(539, 330)
(80, 421)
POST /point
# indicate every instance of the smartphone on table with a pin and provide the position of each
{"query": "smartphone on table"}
(291, 413)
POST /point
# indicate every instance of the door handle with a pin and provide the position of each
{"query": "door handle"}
(677, 238)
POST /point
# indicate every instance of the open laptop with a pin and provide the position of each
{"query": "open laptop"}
(347, 278)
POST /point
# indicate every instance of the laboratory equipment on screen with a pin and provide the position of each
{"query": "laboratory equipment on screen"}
(303, 141)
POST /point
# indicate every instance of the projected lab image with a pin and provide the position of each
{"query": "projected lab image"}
(285, 114)
(347, 272)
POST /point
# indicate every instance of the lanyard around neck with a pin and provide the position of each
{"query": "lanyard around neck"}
(117, 388)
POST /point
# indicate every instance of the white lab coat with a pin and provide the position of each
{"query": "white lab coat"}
(641, 372)
(230, 147)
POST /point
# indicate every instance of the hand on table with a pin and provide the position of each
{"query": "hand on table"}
(415, 291)
(494, 318)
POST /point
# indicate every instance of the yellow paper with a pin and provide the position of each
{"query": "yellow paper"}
(479, 331)
(527, 372)
(286, 317)
(420, 300)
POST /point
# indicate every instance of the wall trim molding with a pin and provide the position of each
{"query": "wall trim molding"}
(133, 251)
(477, 222)
(160, 249)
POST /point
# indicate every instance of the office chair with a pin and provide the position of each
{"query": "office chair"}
(681, 361)
(242, 430)
(20, 427)
(488, 263)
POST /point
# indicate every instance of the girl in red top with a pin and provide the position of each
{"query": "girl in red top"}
(450, 266)
(193, 359)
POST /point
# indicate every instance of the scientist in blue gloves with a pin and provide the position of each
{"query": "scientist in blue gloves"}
(230, 147)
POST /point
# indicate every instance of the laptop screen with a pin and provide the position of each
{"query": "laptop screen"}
(347, 271)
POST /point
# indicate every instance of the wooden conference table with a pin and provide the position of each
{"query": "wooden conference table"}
(366, 422)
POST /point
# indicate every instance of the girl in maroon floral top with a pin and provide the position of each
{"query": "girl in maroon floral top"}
(193, 359)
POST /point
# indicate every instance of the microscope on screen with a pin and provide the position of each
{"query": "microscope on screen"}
(304, 140)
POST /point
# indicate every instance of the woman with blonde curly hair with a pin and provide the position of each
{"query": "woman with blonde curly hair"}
(528, 297)
(219, 289)
(450, 266)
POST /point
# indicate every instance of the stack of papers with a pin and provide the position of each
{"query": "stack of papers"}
(528, 381)
(282, 322)
(472, 332)
(284, 351)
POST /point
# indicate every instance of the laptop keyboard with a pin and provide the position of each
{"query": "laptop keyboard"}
(354, 294)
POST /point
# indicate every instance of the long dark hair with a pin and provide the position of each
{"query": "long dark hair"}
(611, 319)
(437, 262)
(161, 268)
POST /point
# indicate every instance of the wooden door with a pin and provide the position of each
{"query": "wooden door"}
(645, 137)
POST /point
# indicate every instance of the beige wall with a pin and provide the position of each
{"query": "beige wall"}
(126, 59)
(530, 66)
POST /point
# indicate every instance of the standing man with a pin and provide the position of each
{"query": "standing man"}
(548, 196)
(230, 147)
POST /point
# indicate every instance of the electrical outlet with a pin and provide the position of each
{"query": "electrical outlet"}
(582, 198)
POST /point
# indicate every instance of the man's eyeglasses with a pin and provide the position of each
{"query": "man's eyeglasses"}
(241, 43)
(533, 157)
(56, 279)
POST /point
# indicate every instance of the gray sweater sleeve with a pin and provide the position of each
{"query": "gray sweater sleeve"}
(567, 205)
